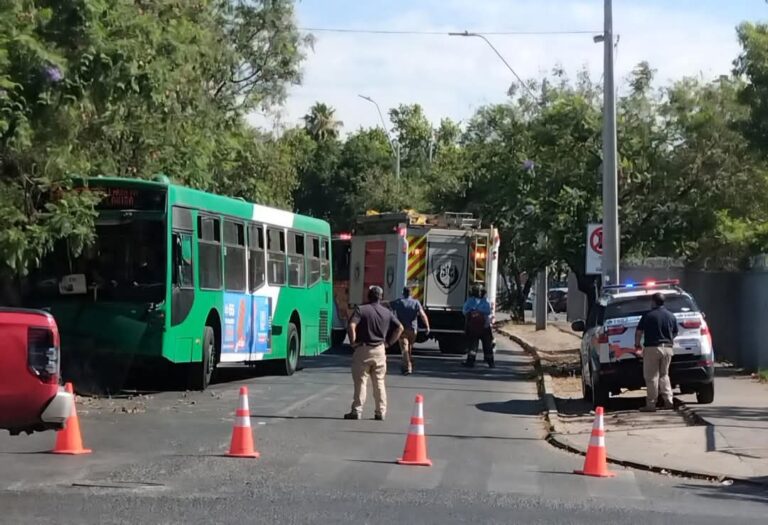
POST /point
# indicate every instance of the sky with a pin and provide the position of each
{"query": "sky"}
(454, 76)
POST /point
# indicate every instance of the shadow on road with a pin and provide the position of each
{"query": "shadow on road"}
(739, 491)
(519, 407)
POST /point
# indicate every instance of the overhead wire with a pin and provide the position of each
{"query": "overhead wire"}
(438, 33)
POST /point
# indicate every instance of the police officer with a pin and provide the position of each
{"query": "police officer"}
(371, 329)
(657, 329)
(477, 316)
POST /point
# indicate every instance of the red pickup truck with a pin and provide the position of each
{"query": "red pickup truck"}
(31, 398)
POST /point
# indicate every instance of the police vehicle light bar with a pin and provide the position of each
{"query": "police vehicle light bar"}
(646, 284)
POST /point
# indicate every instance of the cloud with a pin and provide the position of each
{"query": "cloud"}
(453, 76)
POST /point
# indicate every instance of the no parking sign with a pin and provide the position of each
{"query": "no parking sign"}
(594, 249)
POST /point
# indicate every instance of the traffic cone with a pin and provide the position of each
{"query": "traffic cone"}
(241, 445)
(68, 439)
(595, 464)
(415, 452)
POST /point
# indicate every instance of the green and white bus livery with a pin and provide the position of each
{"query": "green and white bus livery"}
(189, 278)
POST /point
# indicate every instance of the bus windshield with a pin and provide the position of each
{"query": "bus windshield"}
(127, 262)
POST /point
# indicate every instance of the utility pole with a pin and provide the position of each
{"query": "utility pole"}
(611, 246)
(397, 159)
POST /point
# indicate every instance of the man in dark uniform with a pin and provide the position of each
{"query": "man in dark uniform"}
(657, 329)
(371, 326)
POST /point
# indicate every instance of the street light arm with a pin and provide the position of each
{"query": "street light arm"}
(478, 35)
(381, 117)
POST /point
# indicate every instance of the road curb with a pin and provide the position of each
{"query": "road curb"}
(554, 427)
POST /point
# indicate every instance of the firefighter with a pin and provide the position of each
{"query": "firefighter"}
(477, 316)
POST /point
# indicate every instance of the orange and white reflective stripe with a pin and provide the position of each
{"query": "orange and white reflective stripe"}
(417, 418)
(597, 439)
(243, 413)
(417, 264)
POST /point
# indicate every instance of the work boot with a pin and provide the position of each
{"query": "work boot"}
(352, 415)
(648, 408)
(491, 363)
(669, 405)
(468, 363)
(378, 417)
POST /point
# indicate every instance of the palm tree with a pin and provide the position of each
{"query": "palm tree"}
(320, 122)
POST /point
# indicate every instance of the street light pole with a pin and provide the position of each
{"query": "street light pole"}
(611, 246)
(478, 35)
(395, 145)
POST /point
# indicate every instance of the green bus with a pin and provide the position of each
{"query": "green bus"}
(189, 278)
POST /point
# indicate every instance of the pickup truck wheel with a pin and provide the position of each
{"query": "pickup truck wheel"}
(706, 393)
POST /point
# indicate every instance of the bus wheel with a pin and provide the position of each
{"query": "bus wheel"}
(291, 351)
(200, 373)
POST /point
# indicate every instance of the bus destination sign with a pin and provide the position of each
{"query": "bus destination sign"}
(131, 199)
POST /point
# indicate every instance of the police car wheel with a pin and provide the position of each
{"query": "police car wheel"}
(586, 390)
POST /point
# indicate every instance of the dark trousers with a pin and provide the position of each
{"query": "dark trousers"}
(486, 337)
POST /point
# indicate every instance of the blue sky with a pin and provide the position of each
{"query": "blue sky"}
(453, 76)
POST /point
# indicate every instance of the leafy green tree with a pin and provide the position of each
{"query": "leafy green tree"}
(321, 123)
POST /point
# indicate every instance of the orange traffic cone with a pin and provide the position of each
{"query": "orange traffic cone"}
(68, 439)
(595, 463)
(241, 445)
(415, 452)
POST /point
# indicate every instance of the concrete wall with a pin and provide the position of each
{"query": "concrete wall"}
(735, 305)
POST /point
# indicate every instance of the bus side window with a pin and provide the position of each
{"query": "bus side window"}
(256, 262)
(325, 256)
(275, 257)
(183, 267)
(296, 266)
(234, 256)
(313, 251)
(209, 252)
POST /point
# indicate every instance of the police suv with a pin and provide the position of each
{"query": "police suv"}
(608, 359)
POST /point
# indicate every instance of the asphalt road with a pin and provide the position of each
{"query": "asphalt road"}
(157, 458)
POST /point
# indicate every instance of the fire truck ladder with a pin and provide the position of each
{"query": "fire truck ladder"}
(478, 269)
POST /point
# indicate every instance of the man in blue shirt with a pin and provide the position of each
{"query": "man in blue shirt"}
(477, 316)
(408, 311)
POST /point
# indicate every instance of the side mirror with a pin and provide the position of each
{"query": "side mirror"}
(578, 326)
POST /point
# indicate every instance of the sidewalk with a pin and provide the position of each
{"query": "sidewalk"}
(726, 440)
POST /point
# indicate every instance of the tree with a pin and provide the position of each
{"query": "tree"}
(321, 123)
(93, 87)
(752, 66)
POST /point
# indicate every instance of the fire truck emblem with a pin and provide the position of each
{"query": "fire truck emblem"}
(448, 272)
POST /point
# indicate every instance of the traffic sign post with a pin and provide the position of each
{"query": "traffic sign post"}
(594, 249)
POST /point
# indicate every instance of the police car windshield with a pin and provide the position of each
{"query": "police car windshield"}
(634, 306)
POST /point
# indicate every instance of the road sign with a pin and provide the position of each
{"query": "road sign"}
(594, 249)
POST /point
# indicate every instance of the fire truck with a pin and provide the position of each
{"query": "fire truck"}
(439, 257)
